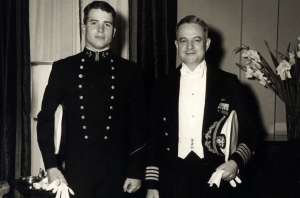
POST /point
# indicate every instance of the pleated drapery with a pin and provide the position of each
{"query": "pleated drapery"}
(15, 91)
(155, 35)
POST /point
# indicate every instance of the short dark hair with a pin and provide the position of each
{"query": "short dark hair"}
(193, 19)
(104, 6)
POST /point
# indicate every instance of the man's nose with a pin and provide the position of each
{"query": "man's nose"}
(100, 27)
(190, 45)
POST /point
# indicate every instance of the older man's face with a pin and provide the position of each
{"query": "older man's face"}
(99, 29)
(191, 44)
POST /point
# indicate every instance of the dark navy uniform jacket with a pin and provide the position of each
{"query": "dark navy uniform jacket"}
(222, 89)
(104, 105)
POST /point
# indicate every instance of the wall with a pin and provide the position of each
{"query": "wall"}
(249, 22)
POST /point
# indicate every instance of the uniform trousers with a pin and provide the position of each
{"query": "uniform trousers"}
(93, 175)
(187, 178)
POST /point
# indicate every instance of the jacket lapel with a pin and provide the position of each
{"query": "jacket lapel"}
(214, 88)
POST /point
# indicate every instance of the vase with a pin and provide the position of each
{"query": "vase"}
(293, 122)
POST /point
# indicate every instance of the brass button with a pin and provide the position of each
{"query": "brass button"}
(112, 60)
(84, 127)
(112, 97)
(109, 117)
(80, 97)
(107, 128)
(80, 76)
(81, 66)
(79, 86)
(111, 107)
(166, 134)
(83, 117)
(113, 87)
(168, 149)
(86, 137)
(82, 60)
(112, 68)
(81, 107)
(113, 77)
(105, 137)
(164, 118)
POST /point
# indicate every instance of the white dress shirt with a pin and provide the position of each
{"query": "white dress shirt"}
(191, 109)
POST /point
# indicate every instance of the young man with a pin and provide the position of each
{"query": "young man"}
(104, 105)
(185, 109)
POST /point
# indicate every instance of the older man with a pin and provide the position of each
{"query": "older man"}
(186, 106)
(104, 105)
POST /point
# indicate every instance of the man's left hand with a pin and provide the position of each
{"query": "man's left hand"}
(230, 168)
(131, 185)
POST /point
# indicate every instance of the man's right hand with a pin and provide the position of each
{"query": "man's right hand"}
(152, 193)
(54, 174)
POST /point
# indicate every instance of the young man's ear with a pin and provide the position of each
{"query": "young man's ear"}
(114, 32)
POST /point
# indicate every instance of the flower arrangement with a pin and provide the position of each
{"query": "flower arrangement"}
(283, 79)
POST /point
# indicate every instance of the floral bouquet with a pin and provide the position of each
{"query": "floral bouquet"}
(283, 79)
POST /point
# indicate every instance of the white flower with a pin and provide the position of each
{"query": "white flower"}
(251, 54)
(245, 54)
(283, 70)
(258, 74)
(249, 72)
(298, 54)
(254, 55)
(292, 58)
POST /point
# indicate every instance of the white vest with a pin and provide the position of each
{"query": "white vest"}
(191, 109)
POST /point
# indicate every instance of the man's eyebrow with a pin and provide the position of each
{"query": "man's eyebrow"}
(199, 37)
(96, 20)
(108, 22)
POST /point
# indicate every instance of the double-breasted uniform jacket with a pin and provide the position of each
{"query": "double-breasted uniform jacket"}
(105, 109)
(222, 90)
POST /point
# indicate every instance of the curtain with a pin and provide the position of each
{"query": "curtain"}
(15, 91)
(155, 34)
(54, 29)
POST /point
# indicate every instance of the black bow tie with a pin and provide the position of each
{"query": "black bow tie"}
(97, 56)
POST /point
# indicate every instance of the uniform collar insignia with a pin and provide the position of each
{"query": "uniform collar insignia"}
(97, 56)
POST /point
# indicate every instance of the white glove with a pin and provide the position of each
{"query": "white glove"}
(60, 188)
(237, 179)
(217, 176)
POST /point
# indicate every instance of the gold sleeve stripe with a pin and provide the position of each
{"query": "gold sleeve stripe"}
(151, 175)
(138, 149)
(152, 171)
(152, 167)
(151, 178)
(242, 155)
(244, 152)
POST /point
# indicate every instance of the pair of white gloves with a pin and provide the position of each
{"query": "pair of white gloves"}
(60, 188)
(217, 176)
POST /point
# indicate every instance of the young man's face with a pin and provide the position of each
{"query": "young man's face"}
(191, 44)
(99, 29)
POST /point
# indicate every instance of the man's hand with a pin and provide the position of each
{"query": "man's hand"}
(131, 185)
(230, 168)
(54, 174)
(152, 193)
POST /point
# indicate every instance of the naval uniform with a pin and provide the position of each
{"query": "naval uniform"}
(104, 105)
(176, 173)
